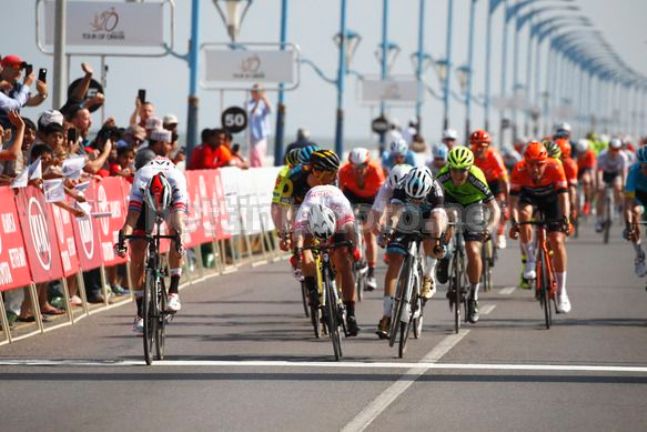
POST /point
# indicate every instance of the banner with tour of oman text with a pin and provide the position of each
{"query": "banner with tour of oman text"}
(14, 271)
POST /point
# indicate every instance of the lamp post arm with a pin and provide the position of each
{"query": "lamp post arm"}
(318, 71)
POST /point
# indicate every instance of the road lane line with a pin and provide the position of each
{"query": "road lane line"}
(412, 368)
(507, 290)
(382, 402)
(487, 309)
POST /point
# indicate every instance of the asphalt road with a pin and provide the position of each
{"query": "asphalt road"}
(242, 357)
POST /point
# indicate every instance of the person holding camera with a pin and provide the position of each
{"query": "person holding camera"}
(13, 94)
(258, 111)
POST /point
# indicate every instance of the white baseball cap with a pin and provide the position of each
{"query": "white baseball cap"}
(48, 117)
(170, 119)
(450, 134)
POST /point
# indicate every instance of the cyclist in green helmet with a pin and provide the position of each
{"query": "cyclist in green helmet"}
(468, 200)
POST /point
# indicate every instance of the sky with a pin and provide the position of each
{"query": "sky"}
(311, 25)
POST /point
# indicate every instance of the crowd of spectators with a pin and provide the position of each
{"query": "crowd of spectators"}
(63, 138)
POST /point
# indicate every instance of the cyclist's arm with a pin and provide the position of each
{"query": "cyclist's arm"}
(131, 221)
(564, 204)
(392, 217)
(514, 211)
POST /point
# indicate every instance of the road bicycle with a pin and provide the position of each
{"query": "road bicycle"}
(489, 256)
(328, 306)
(154, 301)
(545, 283)
(458, 284)
(608, 208)
(408, 305)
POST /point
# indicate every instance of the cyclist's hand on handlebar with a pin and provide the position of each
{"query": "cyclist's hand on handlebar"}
(385, 237)
(121, 249)
(514, 231)
(285, 244)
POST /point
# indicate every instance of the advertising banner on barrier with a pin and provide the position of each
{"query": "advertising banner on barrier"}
(110, 212)
(14, 271)
(64, 228)
(86, 234)
(199, 222)
(41, 244)
(232, 182)
(219, 207)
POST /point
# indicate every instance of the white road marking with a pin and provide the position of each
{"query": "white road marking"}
(380, 403)
(507, 290)
(487, 309)
(412, 368)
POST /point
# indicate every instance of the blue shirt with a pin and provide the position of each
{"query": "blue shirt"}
(636, 180)
(259, 121)
(388, 161)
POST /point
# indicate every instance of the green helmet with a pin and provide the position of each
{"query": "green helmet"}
(553, 149)
(460, 158)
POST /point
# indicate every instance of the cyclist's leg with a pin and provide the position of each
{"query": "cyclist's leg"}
(473, 246)
(343, 261)
(600, 205)
(309, 271)
(618, 196)
(370, 241)
(557, 242)
(525, 238)
(637, 214)
(395, 251)
(176, 254)
(137, 256)
(435, 225)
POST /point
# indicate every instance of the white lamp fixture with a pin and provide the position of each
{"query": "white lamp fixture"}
(352, 42)
(233, 14)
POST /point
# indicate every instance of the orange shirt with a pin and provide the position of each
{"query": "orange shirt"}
(553, 180)
(373, 179)
(492, 166)
(206, 157)
(570, 169)
(587, 160)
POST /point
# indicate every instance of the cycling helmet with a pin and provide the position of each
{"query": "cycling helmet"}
(292, 157)
(535, 152)
(582, 145)
(450, 134)
(440, 152)
(460, 158)
(553, 149)
(358, 156)
(563, 127)
(322, 222)
(306, 152)
(158, 193)
(399, 146)
(642, 155)
(397, 174)
(324, 160)
(418, 182)
(480, 136)
(565, 145)
(615, 144)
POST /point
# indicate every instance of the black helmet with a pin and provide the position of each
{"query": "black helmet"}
(325, 160)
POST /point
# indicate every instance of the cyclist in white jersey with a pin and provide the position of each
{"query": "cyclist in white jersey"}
(384, 195)
(320, 200)
(159, 177)
(612, 172)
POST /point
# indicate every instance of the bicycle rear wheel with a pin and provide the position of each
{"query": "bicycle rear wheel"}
(148, 312)
(330, 313)
(160, 333)
(486, 275)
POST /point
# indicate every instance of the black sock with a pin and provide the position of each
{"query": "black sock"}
(371, 272)
(309, 281)
(175, 282)
(350, 308)
(139, 302)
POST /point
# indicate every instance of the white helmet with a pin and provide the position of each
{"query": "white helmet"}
(399, 146)
(358, 156)
(322, 222)
(157, 194)
(418, 182)
(582, 145)
(563, 127)
(615, 144)
(450, 134)
(397, 174)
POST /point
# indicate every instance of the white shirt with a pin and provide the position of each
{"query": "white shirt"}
(174, 176)
(611, 165)
(328, 196)
(384, 195)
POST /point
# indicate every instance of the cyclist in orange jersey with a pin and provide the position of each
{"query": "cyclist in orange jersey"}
(491, 163)
(540, 182)
(360, 180)
(571, 171)
(586, 164)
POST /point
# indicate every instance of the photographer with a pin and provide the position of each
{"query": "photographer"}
(13, 94)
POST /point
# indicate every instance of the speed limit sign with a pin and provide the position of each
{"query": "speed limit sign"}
(234, 119)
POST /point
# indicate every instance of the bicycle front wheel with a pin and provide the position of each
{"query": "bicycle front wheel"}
(456, 286)
(545, 286)
(160, 333)
(304, 298)
(330, 312)
(398, 302)
(485, 259)
(149, 313)
(607, 221)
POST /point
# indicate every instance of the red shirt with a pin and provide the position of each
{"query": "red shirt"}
(206, 157)
(552, 181)
(373, 179)
(115, 169)
(586, 160)
(492, 166)
(570, 169)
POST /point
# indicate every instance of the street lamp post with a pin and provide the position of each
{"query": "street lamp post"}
(419, 65)
(470, 71)
(280, 107)
(193, 102)
(447, 88)
(341, 73)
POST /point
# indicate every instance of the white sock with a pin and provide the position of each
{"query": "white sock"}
(529, 249)
(561, 282)
(475, 290)
(430, 266)
(388, 305)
